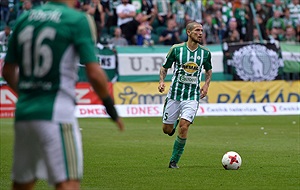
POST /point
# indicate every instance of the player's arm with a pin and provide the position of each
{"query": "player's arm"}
(204, 89)
(208, 75)
(11, 75)
(85, 32)
(98, 80)
(164, 69)
(162, 75)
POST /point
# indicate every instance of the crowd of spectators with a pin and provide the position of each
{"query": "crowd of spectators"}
(162, 22)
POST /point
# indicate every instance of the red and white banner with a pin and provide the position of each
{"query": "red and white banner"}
(155, 110)
(7, 102)
(85, 95)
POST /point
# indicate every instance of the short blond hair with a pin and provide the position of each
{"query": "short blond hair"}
(191, 25)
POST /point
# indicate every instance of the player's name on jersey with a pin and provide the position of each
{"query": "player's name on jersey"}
(37, 15)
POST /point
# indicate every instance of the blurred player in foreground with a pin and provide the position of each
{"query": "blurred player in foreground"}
(41, 67)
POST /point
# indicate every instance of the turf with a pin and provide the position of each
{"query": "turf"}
(138, 158)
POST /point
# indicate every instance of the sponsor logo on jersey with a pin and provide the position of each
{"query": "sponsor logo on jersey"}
(190, 67)
(188, 79)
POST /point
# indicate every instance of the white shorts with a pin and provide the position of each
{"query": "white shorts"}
(47, 150)
(184, 109)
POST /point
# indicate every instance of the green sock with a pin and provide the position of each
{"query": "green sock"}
(178, 149)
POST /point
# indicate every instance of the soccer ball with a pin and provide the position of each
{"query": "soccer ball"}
(231, 161)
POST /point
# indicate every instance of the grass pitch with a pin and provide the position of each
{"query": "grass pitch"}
(139, 157)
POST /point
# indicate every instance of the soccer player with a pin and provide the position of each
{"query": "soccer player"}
(41, 67)
(182, 101)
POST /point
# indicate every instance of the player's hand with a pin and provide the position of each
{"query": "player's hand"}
(202, 95)
(203, 91)
(120, 124)
(161, 87)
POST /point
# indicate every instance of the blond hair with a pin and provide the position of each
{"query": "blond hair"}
(191, 25)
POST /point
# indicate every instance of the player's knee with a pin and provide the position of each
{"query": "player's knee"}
(167, 129)
(70, 184)
(28, 185)
(184, 130)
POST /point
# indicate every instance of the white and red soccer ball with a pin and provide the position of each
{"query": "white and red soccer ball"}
(231, 160)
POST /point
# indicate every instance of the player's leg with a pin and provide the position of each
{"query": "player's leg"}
(189, 110)
(63, 155)
(47, 150)
(170, 115)
(179, 143)
(23, 186)
(183, 128)
(167, 128)
(188, 113)
(174, 127)
(26, 155)
(70, 184)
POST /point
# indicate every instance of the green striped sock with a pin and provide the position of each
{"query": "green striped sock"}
(178, 149)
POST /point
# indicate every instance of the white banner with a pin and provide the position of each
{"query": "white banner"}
(155, 110)
(150, 63)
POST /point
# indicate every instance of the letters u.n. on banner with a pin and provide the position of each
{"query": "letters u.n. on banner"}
(253, 62)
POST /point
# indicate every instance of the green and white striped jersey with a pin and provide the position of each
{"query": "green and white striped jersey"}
(187, 71)
(46, 44)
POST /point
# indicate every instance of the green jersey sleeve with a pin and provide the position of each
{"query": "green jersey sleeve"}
(207, 64)
(170, 58)
(85, 40)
